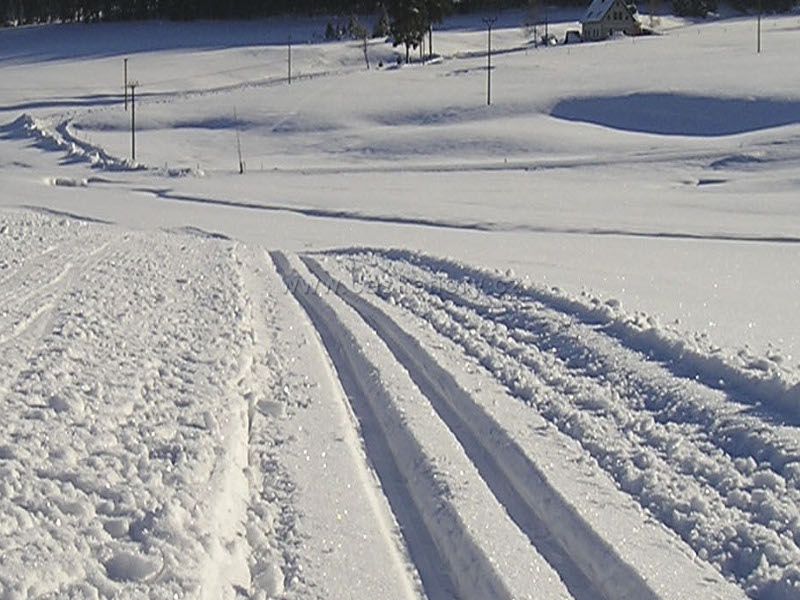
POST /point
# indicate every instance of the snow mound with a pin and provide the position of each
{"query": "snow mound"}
(60, 138)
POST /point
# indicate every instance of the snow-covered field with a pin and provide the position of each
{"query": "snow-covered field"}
(423, 347)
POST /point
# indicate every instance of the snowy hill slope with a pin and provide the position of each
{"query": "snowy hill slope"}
(571, 200)
(423, 347)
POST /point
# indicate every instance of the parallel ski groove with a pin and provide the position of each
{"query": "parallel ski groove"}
(587, 565)
(587, 354)
(425, 543)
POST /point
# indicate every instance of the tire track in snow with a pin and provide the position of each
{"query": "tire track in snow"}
(733, 513)
(38, 301)
(35, 288)
(29, 265)
(36, 269)
(587, 566)
(708, 415)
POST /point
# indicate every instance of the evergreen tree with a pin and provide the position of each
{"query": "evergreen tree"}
(767, 6)
(435, 12)
(383, 25)
(408, 23)
(355, 30)
(331, 32)
(693, 8)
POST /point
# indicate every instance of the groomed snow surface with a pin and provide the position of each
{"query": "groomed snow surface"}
(423, 348)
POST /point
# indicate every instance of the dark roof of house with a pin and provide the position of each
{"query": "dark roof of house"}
(597, 10)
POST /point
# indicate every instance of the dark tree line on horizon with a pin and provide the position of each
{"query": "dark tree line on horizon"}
(413, 15)
(37, 11)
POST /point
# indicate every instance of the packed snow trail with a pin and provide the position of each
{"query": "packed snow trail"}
(103, 385)
(723, 477)
(130, 462)
(169, 430)
(588, 561)
(446, 533)
(421, 545)
(518, 487)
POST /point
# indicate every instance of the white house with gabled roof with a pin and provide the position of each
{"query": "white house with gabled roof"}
(603, 18)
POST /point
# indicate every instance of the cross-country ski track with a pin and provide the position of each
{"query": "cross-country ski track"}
(409, 425)
(370, 336)
(553, 545)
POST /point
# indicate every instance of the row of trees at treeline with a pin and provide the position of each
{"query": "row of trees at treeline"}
(409, 19)
(406, 22)
(700, 8)
(38, 11)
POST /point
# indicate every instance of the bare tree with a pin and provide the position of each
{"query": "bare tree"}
(533, 16)
(655, 7)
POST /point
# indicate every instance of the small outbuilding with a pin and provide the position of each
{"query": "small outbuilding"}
(604, 18)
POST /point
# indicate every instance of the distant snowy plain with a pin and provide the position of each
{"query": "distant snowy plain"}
(423, 347)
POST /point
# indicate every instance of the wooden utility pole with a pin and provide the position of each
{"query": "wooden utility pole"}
(489, 24)
(758, 35)
(133, 85)
(290, 60)
(238, 142)
(125, 86)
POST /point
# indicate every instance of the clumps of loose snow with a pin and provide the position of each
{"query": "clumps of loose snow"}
(70, 182)
(127, 566)
(167, 171)
(125, 431)
(767, 380)
(643, 403)
(58, 137)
